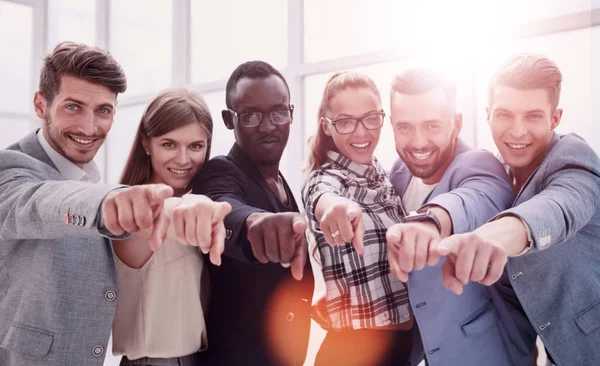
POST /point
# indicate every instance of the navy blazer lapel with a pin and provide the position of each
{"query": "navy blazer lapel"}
(243, 161)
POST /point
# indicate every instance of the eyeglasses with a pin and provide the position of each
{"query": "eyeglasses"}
(345, 126)
(279, 116)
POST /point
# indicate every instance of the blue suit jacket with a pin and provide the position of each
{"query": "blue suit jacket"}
(558, 280)
(477, 327)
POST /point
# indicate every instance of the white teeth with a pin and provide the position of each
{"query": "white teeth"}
(517, 146)
(361, 146)
(181, 172)
(82, 141)
(421, 156)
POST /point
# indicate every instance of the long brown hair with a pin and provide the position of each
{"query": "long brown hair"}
(320, 143)
(171, 109)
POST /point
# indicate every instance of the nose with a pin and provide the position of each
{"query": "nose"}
(518, 128)
(88, 124)
(266, 125)
(419, 140)
(360, 130)
(182, 157)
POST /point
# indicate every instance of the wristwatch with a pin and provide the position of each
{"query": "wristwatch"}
(426, 216)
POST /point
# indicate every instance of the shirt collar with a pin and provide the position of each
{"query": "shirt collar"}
(89, 173)
(374, 171)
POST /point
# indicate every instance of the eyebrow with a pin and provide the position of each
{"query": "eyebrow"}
(163, 139)
(344, 115)
(77, 101)
(254, 109)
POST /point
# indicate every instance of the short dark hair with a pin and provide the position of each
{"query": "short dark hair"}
(88, 63)
(422, 80)
(251, 70)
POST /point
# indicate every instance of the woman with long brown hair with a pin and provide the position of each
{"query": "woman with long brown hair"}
(160, 315)
(350, 204)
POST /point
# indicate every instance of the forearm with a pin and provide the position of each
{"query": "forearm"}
(508, 231)
(444, 218)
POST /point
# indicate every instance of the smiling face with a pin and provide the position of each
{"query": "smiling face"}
(359, 145)
(426, 130)
(522, 122)
(78, 118)
(177, 155)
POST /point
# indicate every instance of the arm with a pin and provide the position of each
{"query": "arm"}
(569, 199)
(220, 181)
(481, 189)
(194, 220)
(33, 207)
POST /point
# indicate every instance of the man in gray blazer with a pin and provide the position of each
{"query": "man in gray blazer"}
(548, 242)
(57, 273)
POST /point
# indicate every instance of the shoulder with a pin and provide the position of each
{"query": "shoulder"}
(12, 160)
(570, 152)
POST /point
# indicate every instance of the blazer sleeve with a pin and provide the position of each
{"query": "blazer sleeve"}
(221, 180)
(32, 206)
(569, 198)
(480, 188)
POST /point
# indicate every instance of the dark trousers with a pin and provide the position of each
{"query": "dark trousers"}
(366, 347)
(190, 360)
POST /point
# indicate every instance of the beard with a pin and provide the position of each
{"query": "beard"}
(427, 170)
(83, 156)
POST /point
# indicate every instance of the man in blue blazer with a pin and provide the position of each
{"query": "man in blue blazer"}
(450, 189)
(548, 243)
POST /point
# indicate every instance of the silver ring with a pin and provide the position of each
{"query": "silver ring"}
(333, 235)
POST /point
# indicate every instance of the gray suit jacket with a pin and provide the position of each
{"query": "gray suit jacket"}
(57, 273)
(558, 280)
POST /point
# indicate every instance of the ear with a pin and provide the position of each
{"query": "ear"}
(458, 119)
(556, 117)
(40, 105)
(291, 114)
(488, 114)
(227, 119)
(146, 144)
(325, 126)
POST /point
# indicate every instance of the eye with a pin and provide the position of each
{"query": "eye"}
(403, 128)
(432, 127)
(168, 144)
(73, 107)
(534, 116)
(104, 110)
(502, 115)
(197, 146)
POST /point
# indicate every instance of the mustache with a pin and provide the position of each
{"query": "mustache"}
(269, 138)
(421, 150)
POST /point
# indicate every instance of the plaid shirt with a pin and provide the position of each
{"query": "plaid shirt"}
(361, 291)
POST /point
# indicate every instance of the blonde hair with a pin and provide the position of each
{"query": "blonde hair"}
(529, 71)
(171, 109)
(320, 143)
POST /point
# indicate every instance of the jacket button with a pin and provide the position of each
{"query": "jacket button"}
(98, 351)
(82, 221)
(290, 316)
(110, 295)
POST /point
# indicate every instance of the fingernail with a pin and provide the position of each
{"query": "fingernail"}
(285, 265)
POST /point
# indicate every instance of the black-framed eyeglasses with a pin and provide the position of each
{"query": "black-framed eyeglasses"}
(278, 116)
(345, 126)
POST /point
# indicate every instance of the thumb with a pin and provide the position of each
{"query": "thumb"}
(394, 234)
(222, 210)
(448, 245)
(157, 193)
(299, 224)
